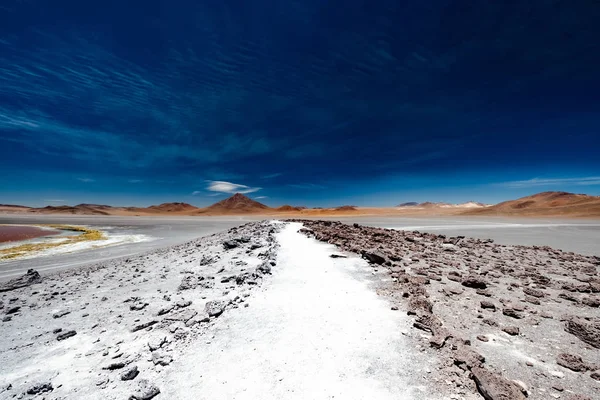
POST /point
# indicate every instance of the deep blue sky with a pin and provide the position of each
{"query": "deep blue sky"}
(314, 102)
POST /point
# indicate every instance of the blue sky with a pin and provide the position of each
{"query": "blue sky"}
(299, 101)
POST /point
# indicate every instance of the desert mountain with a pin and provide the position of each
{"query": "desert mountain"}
(428, 204)
(408, 204)
(173, 207)
(238, 202)
(546, 204)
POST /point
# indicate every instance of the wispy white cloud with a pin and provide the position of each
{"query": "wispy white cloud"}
(583, 181)
(261, 197)
(271, 176)
(135, 181)
(196, 192)
(228, 187)
(86, 180)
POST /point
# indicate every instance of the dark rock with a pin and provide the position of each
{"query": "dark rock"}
(475, 282)
(485, 304)
(66, 335)
(572, 362)
(533, 292)
(591, 301)
(578, 397)
(595, 375)
(483, 338)
(143, 326)
(145, 391)
(374, 257)
(511, 312)
(130, 373)
(337, 256)
(511, 330)
(28, 279)
(264, 268)
(40, 387)
(588, 332)
(113, 366)
(13, 310)
(494, 386)
(60, 313)
(230, 244)
(214, 308)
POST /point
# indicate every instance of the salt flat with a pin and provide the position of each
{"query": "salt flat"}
(577, 235)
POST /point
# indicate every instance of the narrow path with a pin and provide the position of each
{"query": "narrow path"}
(317, 330)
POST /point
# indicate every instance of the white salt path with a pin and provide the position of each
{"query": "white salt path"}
(317, 330)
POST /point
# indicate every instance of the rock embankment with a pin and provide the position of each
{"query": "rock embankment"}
(110, 329)
(507, 321)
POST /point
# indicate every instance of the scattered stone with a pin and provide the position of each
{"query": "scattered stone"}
(31, 277)
(157, 343)
(335, 255)
(145, 391)
(13, 310)
(159, 358)
(572, 362)
(60, 313)
(230, 244)
(588, 332)
(214, 308)
(511, 312)
(511, 330)
(474, 282)
(130, 373)
(483, 338)
(66, 335)
(40, 387)
(533, 292)
(143, 326)
(113, 366)
(495, 387)
(374, 257)
(485, 304)
(595, 375)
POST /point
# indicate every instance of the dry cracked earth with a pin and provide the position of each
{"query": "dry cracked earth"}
(505, 322)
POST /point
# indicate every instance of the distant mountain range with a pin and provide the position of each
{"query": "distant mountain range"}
(541, 204)
(428, 204)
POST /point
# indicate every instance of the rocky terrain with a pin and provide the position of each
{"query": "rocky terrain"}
(107, 331)
(507, 322)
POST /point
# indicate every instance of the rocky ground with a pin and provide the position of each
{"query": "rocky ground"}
(491, 321)
(108, 331)
(506, 321)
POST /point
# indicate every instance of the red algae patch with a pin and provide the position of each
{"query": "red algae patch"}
(13, 233)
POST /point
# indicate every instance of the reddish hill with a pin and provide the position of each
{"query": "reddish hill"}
(546, 204)
(237, 203)
(173, 207)
(288, 208)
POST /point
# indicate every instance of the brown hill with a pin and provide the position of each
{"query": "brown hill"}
(173, 207)
(236, 203)
(287, 208)
(81, 209)
(546, 204)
